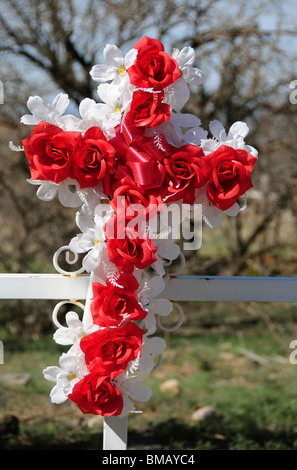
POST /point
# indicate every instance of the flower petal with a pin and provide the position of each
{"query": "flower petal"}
(29, 120)
(57, 395)
(217, 130)
(73, 320)
(51, 373)
(47, 191)
(102, 73)
(185, 57)
(180, 94)
(130, 57)
(233, 211)
(66, 197)
(212, 216)
(238, 129)
(61, 103)
(112, 54)
(193, 75)
(139, 392)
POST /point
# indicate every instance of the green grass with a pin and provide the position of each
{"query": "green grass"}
(243, 371)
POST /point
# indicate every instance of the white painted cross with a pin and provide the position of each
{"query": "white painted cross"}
(179, 288)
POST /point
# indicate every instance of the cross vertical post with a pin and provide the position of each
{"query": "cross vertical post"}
(115, 433)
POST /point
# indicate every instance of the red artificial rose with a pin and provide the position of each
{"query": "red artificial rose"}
(148, 110)
(50, 152)
(95, 394)
(230, 175)
(108, 351)
(124, 281)
(128, 246)
(187, 169)
(128, 199)
(94, 159)
(153, 67)
(112, 304)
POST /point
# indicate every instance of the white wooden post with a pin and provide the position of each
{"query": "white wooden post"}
(115, 433)
(180, 288)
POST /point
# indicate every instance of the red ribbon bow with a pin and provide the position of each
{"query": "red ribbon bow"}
(140, 158)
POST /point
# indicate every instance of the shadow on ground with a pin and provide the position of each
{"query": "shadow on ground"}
(171, 434)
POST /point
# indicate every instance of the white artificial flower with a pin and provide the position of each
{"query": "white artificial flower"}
(178, 94)
(72, 369)
(117, 65)
(129, 382)
(174, 130)
(131, 388)
(160, 307)
(92, 240)
(74, 331)
(85, 215)
(167, 251)
(48, 190)
(211, 214)
(49, 112)
(150, 348)
(138, 392)
(149, 288)
(185, 58)
(117, 100)
(106, 268)
(164, 232)
(103, 115)
(91, 114)
(235, 138)
(167, 248)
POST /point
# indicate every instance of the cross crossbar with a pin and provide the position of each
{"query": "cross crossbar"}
(179, 288)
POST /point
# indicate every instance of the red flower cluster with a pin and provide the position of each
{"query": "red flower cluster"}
(145, 171)
(141, 167)
(55, 155)
(172, 173)
(136, 169)
(109, 350)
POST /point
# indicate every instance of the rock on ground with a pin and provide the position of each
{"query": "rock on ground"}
(207, 414)
(15, 379)
(171, 387)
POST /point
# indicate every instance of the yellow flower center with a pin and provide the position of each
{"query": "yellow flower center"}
(117, 109)
(121, 70)
(71, 376)
(96, 241)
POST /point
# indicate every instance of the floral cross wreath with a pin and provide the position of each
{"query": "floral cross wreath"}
(132, 153)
